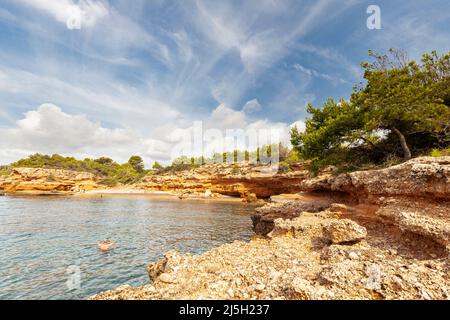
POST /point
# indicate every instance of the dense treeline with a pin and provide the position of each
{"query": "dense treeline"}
(134, 170)
(267, 154)
(400, 111)
(112, 172)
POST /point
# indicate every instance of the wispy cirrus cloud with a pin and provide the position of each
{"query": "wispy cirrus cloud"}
(149, 68)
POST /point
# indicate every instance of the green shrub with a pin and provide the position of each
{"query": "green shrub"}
(440, 153)
(284, 167)
(5, 171)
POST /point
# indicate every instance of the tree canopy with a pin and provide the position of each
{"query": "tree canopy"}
(137, 163)
(157, 166)
(401, 110)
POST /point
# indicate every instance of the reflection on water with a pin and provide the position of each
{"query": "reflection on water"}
(41, 237)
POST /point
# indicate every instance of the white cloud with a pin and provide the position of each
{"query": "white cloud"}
(300, 125)
(49, 129)
(226, 118)
(228, 129)
(107, 100)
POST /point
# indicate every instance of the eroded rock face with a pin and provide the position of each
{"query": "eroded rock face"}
(289, 207)
(423, 177)
(424, 217)
(30, 174)
(243, 180)
(420, 177)
(42, 181)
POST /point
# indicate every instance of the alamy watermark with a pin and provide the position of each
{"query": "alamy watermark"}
(253, 145)
(374, 20)
(373, 277)
(74, 20)
(73, 278)
(75, 17)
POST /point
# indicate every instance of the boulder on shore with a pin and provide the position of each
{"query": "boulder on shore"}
(345, 231)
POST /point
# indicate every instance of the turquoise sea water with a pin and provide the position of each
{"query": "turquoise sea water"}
(45, 241)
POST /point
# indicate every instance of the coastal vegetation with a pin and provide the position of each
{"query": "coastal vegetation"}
(440, 153)
(276, 153)
(4, 170)
(112, 172)
(400, 111)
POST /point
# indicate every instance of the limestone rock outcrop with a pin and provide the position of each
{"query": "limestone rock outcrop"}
(301, 265)
(381, 234)
(286, 207)
(345, 231)
(47, 181)
(423, 181)
(420, 177)
(243, 180)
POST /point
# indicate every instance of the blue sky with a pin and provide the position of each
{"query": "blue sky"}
(137, 72)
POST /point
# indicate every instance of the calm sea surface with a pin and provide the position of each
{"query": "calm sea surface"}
(45, 241)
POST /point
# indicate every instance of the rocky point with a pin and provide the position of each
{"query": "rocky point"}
(381, 234)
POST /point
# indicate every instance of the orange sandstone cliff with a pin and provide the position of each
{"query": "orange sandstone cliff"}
(47, 181)
(240, 180)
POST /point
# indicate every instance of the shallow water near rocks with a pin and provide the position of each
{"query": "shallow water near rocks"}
(45, 241)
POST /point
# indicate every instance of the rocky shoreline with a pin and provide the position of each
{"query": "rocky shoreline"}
(381, 234)
(246, 181)
(378, 234)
